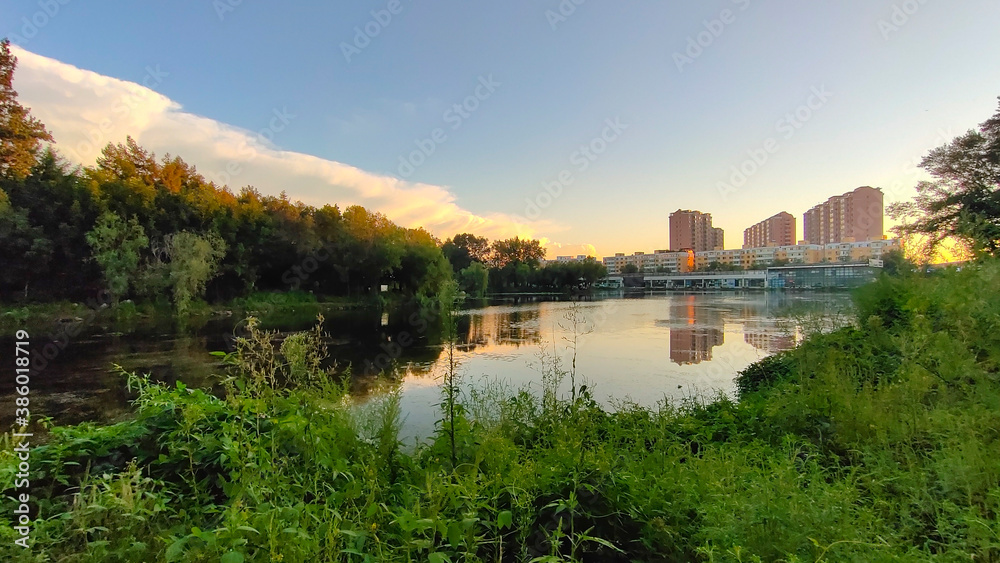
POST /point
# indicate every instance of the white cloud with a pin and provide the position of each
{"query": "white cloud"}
(85, 111)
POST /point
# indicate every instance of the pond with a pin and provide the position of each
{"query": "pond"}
(641, 348)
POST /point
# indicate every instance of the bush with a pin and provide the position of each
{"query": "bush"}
(765, 372)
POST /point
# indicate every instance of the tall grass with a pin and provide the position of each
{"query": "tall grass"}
(875, 442)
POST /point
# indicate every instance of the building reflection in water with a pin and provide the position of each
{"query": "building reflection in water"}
(769, 342)
(694, 331)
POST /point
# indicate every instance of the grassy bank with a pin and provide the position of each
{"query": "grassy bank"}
(876, 442)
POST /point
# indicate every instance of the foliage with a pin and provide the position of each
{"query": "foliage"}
(962, 202)
(270, 243)
(630, 269)
(514, 251)
(870, 443)
(52, 216)
(116, 244)
(474, 280)
(716, 266)
(465, 248)
(514, 265)
(575, 274)
(21, 134)
(194, 260)
(895, 263)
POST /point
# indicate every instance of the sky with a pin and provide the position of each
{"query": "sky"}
(578, 122)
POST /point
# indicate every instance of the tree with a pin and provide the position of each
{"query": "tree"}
(590, 270)
(60, 209)
(116, 245)
(25, 251)
(716, 266)
(474, 280)
(194, 260)
(464, 249)
(630, 269)
(516, 251)
(21, 135)
(895, 263)
(423, 270)
(962, 202)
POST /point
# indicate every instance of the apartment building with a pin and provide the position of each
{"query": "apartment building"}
(693, 230)
(854, 216)
(777, 230)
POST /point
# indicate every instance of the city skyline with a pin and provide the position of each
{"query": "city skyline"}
(520, 123)
(694, 230)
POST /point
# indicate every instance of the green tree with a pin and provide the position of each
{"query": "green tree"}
(464, 249)
(116, 246)
(423, 269)
(630, 269)
(25, 251)
(58, 204)
(21, 135)
(895, 263)
(962, 202)
(194, 260)
(474, 280)
(591, 270)
(516, 251)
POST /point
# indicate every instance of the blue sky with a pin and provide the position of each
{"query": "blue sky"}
(898, 79)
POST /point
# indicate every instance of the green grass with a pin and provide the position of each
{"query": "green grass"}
(875, 442)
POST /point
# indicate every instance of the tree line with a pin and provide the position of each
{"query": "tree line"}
(514, 265)
(147, 228)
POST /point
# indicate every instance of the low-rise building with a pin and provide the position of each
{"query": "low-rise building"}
(750, 258)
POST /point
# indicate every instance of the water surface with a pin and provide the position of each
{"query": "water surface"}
(645, 349)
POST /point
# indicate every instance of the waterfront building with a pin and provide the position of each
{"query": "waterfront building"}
(693, 230)
(751, 258)
(854, 216)
(777, 230)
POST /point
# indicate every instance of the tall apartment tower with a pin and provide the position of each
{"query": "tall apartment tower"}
(693, 230)
(852, 217)
(778, 230)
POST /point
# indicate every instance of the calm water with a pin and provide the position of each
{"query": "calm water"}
(642, 349)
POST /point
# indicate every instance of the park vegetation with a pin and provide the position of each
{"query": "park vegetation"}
(515, 265)
(874, 442)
